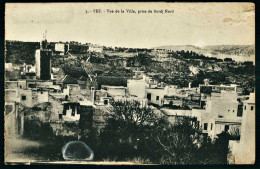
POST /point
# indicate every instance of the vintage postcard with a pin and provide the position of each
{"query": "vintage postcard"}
(130, 83)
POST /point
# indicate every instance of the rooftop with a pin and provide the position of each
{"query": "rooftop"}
(228, 120)
(176, 112)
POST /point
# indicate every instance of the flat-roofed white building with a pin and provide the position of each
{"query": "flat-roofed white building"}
(143, 102)
(115, 90)
(213, 125)
(223, 105)
(96, 48)
(61, 48)
(136, 88)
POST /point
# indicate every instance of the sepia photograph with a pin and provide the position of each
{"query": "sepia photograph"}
(153, 83)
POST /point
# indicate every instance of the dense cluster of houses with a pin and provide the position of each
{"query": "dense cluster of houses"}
(218, 108)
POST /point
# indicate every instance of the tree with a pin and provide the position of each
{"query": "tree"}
(184, 143)
(179, 142)
(228, 59)
(131, 113)
(201, 76)
(140, 59)
(235, 133)
(128, 125)
(133, 131)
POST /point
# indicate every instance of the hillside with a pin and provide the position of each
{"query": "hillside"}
(232, 50)
(241, 50)
(182, 47)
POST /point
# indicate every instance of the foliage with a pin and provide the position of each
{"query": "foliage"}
(184, 143)
(227, 59)
(235, 133)
(131, 113)
(73, 71)
(112, 81)
(128, 124)
(178, 141)
(140, 60)
(21, 52)
(36, 129)
(94, 59)
(137, 133)
(194, 55)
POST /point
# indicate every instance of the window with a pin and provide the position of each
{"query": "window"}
(198, 123)
(106, 102)
(211, 126)
(31, 85)
(23, 97)
(157, 97)
(205, 126)
(226, 128)
(66, 97)
(233, 111)
(228, 110)
(240, 111)
(245, 107)
(149, 96)
(252, 107)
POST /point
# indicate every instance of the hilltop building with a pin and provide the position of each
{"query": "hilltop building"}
(96, 48)
(61, 48)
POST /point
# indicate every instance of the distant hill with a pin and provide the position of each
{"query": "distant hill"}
(232, 50)
(241, 50)
(182, 47)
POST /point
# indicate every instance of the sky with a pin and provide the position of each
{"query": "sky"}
(196, 24)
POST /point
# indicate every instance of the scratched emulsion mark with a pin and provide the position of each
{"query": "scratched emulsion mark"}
(77, 151)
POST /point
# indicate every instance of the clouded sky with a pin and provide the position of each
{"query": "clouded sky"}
(190, 24)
